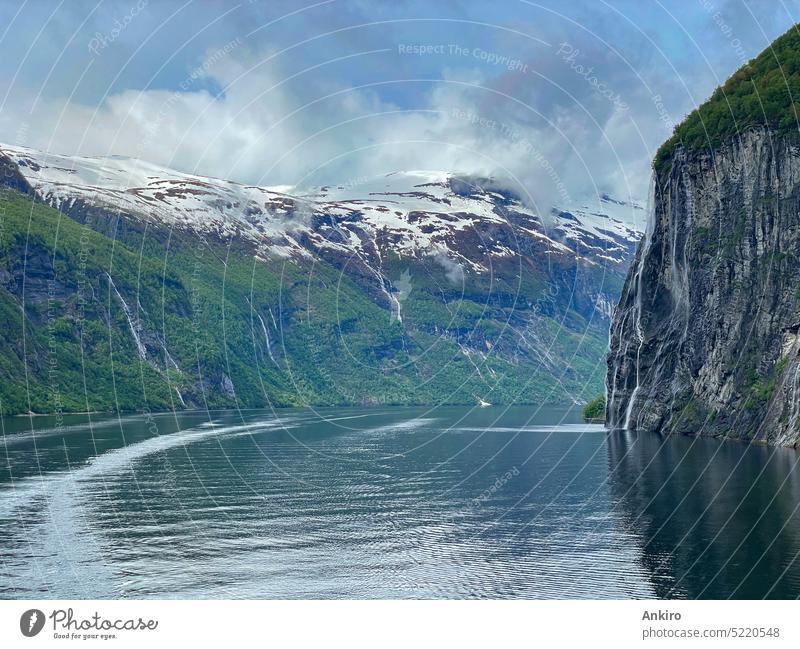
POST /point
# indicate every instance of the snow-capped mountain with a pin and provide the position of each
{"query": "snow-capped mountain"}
(604, 219)
(159, 195)
(427, 210)
(412, 287)
(411, 213)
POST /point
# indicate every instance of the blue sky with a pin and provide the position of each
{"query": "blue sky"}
(565, 98)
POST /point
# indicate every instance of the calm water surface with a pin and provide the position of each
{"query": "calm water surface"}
(395, 502)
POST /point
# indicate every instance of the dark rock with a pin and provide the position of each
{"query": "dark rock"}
(705, 337)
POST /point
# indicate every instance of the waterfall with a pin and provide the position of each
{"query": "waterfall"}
(680, 274)
(168, 360)
(611, 389)
(263, 329)
(793, 385)
(639, 332)
(139, 345)
(378, 272)
(180, 396)
(266, 337)
(395, 303)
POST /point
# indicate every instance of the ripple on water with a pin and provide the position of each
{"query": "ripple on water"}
(366, 504)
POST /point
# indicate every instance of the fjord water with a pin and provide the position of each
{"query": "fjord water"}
(392, 502)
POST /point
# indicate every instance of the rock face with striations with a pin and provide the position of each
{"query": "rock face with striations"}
(705, 338)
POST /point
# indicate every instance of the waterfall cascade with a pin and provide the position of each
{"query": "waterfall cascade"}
(134, 329)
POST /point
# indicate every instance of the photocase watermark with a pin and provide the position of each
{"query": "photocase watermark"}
(210, 61)
(31, 622)
(481, 499)
(570, 55)
(725, 29)
(491, 58)
(517, 138)
(353, 183)
(101, 41)
(85, 289)
(22, 133)
(453, 49)
(153, 127)
(67, 626)
(195, 293)
(422, 50)
(499, 482)
(54, 307)
(663, 114)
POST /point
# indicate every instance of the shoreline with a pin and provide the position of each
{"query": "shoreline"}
(146, 411)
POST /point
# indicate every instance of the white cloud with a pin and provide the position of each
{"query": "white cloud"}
(267, 129)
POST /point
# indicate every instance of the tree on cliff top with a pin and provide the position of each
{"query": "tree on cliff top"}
(763, 92)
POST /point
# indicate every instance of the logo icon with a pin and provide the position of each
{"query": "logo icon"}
(31, 622)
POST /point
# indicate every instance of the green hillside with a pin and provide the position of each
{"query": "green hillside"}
(74, 301)
(764, 92)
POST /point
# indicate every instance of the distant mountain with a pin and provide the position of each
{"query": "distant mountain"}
(414, 287)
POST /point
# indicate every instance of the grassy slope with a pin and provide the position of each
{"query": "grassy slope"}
(74, 349)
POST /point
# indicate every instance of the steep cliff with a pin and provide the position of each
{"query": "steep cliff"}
(705, 337)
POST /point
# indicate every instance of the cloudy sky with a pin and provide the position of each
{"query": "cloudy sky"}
(564, 98)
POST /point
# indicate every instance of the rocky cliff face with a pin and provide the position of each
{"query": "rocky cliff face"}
(705, 338)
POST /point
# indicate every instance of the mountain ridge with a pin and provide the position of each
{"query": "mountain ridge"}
(442, 293)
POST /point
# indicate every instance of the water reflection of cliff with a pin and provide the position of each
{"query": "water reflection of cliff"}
(713, 519)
